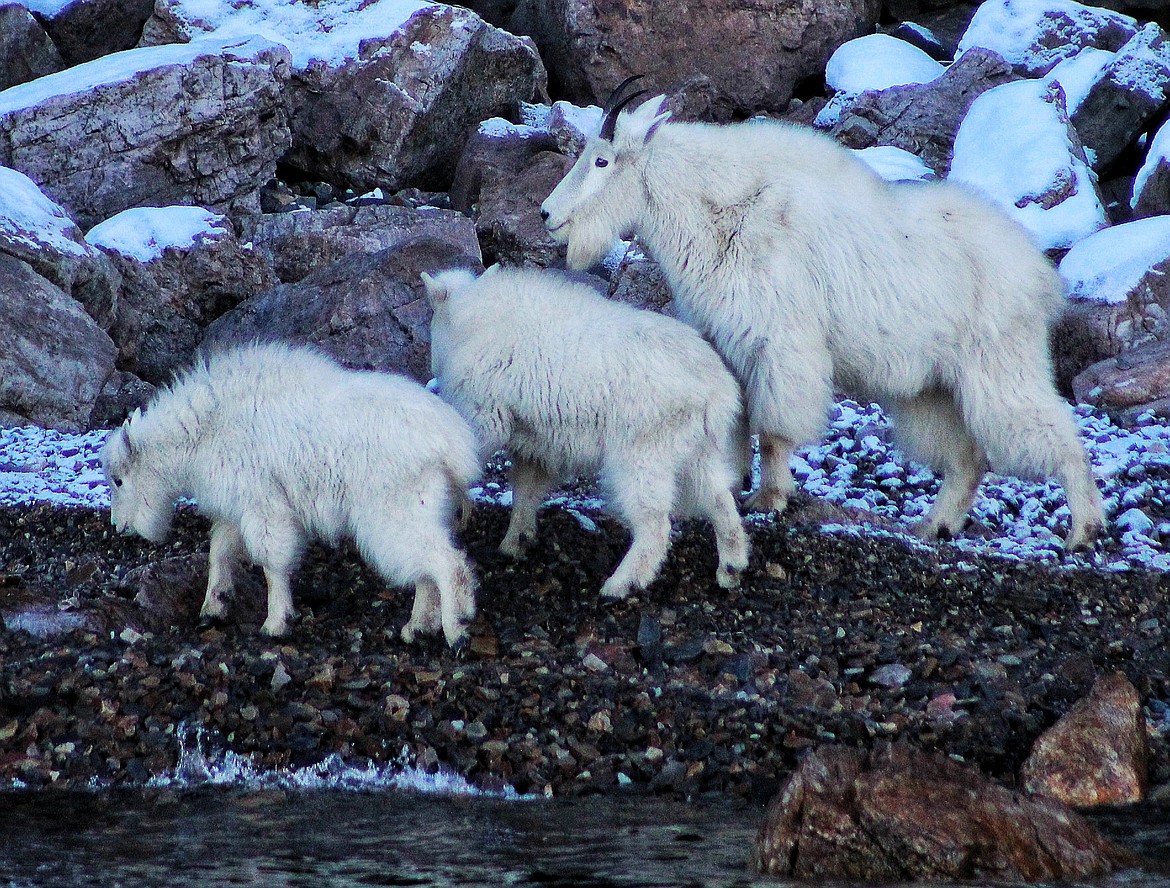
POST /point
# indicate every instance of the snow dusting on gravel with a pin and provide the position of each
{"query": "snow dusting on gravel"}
(855, 466)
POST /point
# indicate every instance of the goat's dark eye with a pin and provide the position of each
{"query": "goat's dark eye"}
(117, 482)
(601, 162)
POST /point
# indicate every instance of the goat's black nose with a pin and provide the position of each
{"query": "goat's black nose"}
(544, 214)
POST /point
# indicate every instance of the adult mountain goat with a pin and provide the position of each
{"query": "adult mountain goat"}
(280, 445)
(809, 272)
(571, 383)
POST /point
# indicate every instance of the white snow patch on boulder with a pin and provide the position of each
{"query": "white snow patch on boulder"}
(1078, 74)
(876, 62)
(895, 164)
(1014, 146)
(143, 233)
(28, 217)
(1108, 265)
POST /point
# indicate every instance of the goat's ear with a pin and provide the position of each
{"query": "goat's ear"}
(124, 432)
(491, 269)
(639, 126)
(436, 292)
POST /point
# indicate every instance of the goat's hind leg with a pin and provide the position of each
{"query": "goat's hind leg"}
(712, 497)
(931, 429)
(642, 495)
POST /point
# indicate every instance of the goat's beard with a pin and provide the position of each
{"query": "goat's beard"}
(588, 245)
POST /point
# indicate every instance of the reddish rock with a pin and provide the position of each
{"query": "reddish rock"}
(26, 52)
(509, 224)
(1098, 753)
(899, 814)
(1128, 385)
(744, 56)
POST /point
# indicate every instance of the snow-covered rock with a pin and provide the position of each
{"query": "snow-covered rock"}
(202, 123)
(1017, 146)
(1078, 74)
(1034, 35)
(384, 92)
(1131, 92)
(181, 268)
(878, 61)
(923, 118)
(1151, 186)
(37, 231)
(1119, 295)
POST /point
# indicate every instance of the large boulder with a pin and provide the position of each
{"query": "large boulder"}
(1098, 753)
(38, 231)
(1118, 284)
(899, 815)
(745, 56)
(383, 93)
(26, 52)
(1017, 146)
(1133, 383)
(296, 244)
(84, 30)
(1132, 93)
(202, 123)
(1035, 35)
(54, 359)
(923, 118)
(1150, 195)
(367, 311)
(181, 268)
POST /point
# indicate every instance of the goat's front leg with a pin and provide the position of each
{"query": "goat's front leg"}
(776, 481)
(226, 548)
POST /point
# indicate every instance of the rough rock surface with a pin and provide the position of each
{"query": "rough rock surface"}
(495, 152)
(1097, 754)
(1133, 91)
(903, 815)
(1128, 385)
(398, 111)
(294, 244)
(84, 30)
(164, 305)
(923, 118)
(1092, 330)
(508, 222)
(1036, 45)
(367, 311)
(37, 231)
(746, 56)
(163, 125)
(54, 359)
(26, 52)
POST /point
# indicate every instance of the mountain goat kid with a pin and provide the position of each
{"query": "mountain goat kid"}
(808, 272)
(280, 445)
(571, 383)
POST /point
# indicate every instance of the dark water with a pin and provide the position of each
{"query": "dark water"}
(344, 837)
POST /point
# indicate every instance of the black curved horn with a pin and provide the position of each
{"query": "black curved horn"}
(613, 109)
(618, 90)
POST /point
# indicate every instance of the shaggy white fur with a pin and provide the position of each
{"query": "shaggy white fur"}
(571, 383)
(808, 272)
(280, 445)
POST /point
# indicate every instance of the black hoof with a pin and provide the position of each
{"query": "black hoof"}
(209, 622)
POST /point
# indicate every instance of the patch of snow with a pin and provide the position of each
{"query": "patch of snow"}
(327, 32)
(1141, 67)
(1036, 34)
(895, 164)
(1108, 265)
(1078, 75)
(1157, 154)
(499, 127)
(47, 8)
(876, 62)
(29, 218)
(853, 465)
(119, 67)
(1014, 146)
(143, 233)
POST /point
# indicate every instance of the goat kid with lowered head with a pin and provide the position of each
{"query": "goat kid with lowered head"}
(810, 273)
(280, 445)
